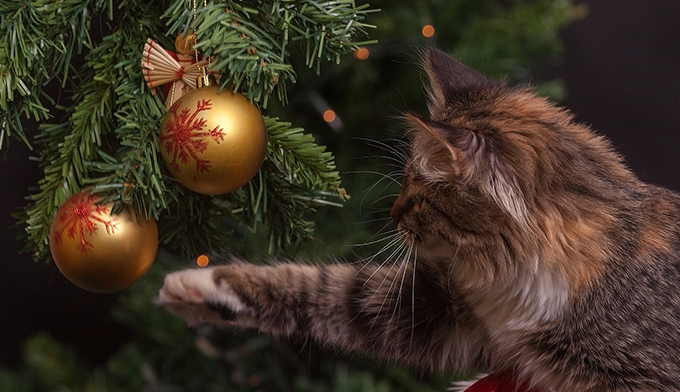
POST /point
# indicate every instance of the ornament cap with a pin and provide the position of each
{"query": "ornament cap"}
(185, 45)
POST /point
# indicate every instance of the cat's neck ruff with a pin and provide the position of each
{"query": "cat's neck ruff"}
(518, 299)
(535, 295)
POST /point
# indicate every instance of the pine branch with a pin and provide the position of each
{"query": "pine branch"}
(250, 40)
(296, 158)
(70, 147)
(297, 177)
(109, 141)
(135, 173)
(288, 211)
(37, 42)
(198, 224)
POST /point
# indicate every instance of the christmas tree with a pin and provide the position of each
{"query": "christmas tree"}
(101, 133)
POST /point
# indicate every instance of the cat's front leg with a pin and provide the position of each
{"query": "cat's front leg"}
(392, 311)
(284, 299)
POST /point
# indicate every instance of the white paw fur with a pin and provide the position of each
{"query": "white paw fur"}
(185, 293)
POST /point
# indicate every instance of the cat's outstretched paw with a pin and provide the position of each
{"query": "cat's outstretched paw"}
(193, 295)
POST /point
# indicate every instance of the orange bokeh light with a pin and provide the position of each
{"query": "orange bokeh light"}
(202, 260)
(254, 381)
(361, 53)
(428, 31)
(329, 115)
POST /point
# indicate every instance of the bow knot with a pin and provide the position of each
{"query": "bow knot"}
(178, 71)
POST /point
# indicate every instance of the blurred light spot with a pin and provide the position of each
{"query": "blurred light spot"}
(361, 53)
(329, 116)
(325, 112)
(428, 31)
(202, 260)
(254, 381)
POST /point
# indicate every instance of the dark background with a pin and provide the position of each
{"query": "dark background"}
(622, 73)
(621, 68)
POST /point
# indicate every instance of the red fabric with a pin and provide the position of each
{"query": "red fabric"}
(504, 382)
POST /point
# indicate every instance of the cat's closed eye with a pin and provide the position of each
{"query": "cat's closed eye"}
(417, 203)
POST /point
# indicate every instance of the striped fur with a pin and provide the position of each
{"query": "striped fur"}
(529, 247)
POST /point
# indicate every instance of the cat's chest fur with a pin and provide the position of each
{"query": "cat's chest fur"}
(534, 296)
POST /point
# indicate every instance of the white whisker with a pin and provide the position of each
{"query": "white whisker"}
(387, 234)
(371, 220)
(382, 209)
(413, 296)
(390, 177)
(389, 289)
(379, 193)
(363, 308)
(397, 305)
(376, 173)
(386, 197)
(450, 271)
(367, 261)
(397, 152)
(399, 248)
(398, 251)
(398, 160)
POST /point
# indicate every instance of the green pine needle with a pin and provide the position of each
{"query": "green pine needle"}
(38, 40)
(108, 138)
(251, 42)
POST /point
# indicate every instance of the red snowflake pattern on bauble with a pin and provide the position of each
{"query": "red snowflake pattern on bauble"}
(185, 137)
(79, 216)
(213, 142)
(97, 251)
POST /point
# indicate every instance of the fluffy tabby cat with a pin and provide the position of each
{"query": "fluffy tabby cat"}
(538, 253)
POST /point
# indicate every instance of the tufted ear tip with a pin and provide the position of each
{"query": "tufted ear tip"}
(451, 74)
(450, 79)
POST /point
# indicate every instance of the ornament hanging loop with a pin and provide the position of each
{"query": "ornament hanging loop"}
(206, 80)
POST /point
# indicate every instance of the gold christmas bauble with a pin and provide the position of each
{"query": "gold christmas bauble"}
(213, 143)
(100, 252)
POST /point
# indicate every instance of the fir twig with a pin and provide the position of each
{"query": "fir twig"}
(297, 177)
(135, 176)
(70, 147)
(38, 39)
(251, 40)
(108, 141)
(296, 158)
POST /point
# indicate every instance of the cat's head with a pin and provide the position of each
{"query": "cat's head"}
(494, 163)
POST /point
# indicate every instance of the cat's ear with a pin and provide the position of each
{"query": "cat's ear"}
(457, 150)
(450, 80)
(450, 154)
